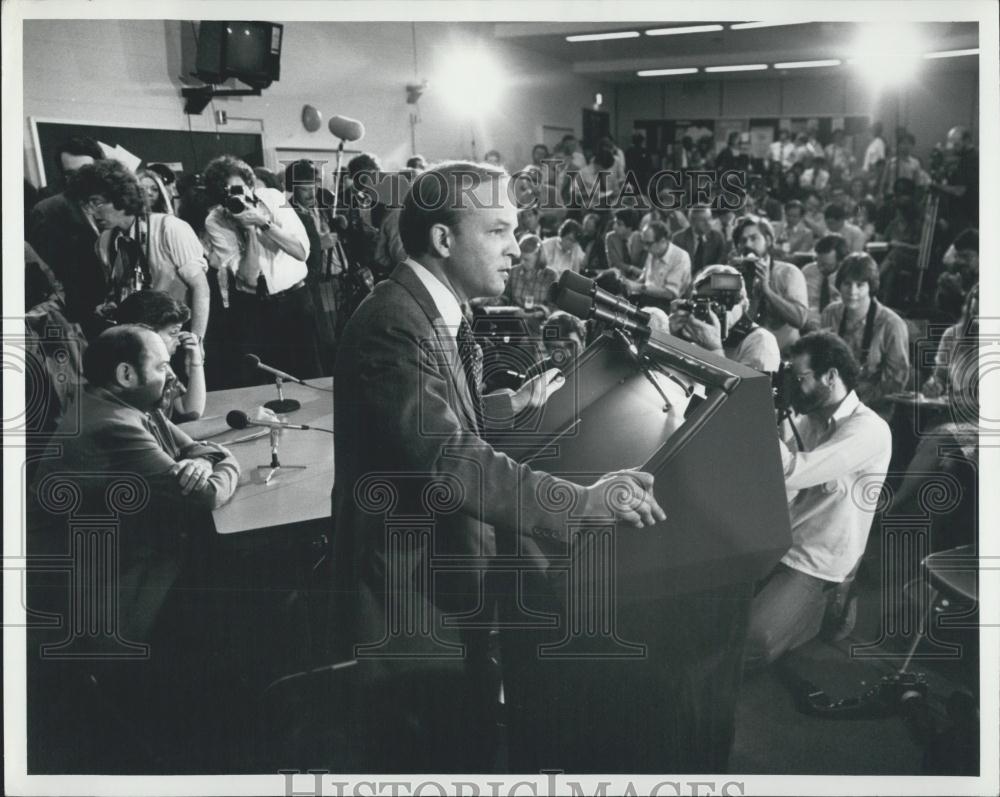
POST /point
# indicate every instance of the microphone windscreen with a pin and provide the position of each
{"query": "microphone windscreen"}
(340, 222)
(345, 128)
(572, 281)
(237, 419)
(252, 360)
(575, 303)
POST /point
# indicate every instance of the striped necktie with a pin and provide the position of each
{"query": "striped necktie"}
(472, 363)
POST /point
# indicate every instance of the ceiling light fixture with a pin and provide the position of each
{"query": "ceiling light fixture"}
(750, 25)
(684, 70)
(808, 64)
(737, 68)
(952, 53)
(683, 29)
(597, 37)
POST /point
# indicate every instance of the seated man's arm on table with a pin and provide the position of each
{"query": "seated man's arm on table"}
(138, 451)
(856, 442)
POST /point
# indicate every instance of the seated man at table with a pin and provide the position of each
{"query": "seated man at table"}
(126, 447)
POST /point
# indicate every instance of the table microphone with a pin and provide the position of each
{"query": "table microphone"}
(237, 419)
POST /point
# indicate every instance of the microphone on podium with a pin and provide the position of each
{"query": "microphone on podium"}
(593, 302)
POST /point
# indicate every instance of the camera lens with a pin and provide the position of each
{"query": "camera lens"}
(234, 204)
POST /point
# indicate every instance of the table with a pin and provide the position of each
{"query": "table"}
(292, 497)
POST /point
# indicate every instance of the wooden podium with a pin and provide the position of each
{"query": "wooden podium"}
(622, 652)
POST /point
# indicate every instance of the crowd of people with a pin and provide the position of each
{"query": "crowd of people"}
(163, 285)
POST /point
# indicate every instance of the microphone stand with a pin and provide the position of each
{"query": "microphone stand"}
(275, 465)
(281, 405)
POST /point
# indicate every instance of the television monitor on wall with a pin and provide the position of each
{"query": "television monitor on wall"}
(247, 51)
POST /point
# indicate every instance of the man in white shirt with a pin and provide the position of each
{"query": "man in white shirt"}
(564, 253)
(876, 149)
(835, 219)
(783, 150)
(666, 273)
(257, 238)
(835, 461)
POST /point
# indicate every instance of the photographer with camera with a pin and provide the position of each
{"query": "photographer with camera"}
(258, 238)
(835, 458)
(779, 300)
(716, 320)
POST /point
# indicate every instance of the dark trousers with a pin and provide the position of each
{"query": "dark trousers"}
(280, 330)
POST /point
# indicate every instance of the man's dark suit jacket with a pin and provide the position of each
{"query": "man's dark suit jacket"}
(64, 238)
(714, 248)
(414, 479)
(116, 457)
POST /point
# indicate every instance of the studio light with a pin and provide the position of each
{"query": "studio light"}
(470, 80)
(887, 54)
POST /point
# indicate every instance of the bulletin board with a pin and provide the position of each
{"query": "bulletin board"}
(192, 150)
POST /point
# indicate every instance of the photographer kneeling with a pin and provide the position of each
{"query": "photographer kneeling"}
(715, 318)
(835, 458)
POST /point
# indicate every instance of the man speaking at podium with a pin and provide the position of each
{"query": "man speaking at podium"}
(416, 479)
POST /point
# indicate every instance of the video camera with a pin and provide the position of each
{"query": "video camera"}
(782, 382)
(237, 201)
(747, 266)
(719, 294)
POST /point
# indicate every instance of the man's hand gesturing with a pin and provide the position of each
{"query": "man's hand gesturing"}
(627, 495)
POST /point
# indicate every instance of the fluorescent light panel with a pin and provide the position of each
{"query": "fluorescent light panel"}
(737, 68)
(684, 70)
(683, 29)
(952, 53)
(807, 64)
(749, 25)
(596, 37)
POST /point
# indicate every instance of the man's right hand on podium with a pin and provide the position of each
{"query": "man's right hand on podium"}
(628, 496)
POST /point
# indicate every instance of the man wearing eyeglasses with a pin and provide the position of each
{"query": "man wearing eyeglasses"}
(835, 454)
(140, 250)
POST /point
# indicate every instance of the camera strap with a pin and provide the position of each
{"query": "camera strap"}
(739, 331)
(866, 337)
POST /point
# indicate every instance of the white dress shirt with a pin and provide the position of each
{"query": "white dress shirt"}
(834, 487)
(248, 253)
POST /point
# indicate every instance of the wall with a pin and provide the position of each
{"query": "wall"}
(943, 96)
(128, 72)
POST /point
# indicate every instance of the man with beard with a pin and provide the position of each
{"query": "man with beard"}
(135, 614)
(835, 455)
(124, 435)
(779, 299)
